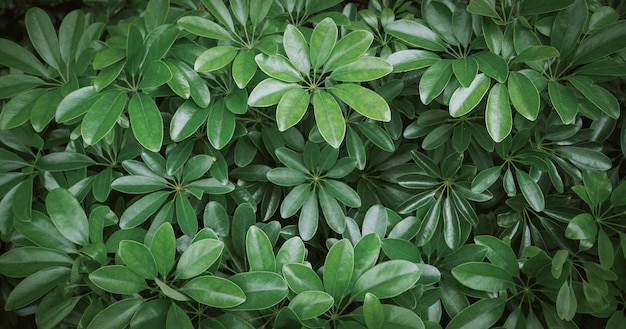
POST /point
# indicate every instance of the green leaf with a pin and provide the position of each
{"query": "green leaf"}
(243, 68)
(536, 53)
(351, 47)
(286, 176)
(259, 10)
(492, 65)
(155, 74)
(297, 49)
(411, 59)
(365, 68)
(465, 99)
(156, 13)
(107, 57)
(64, 161)
(146, 121)
(143, 208)
(259, 251)
(138, 258)
(483, 7)
(566, 302)
(329, 118)
(606, 251)
(434, 80)
(186, 120)
(309, 217)
(564, 101)
(221, 125)
(135, 184)
(135, 51)
(301, 278)
(198, 89)
(220, 12)
(262, 289)
(598, 187)
(585, 158)
(198, 257)
(42, 232)
(118, 279)
(43, 36)
(483, 276)
(102, 116)
(278, 67)
(294, 200)
(451, 225)
(322, 42)
(486, 178)
(534, 7)
(598, 96)
(338, 268)
(35, 286)
(203, 27)
(214, 291)
(465, 70)
(387, 279)
(373, 312)
(292, 251)
(581, 227)
(439, 18)
(54, 308)
(415, 34)
(292, 108)
(16, 56)
(531, 191)
(499, 253)
(524, 95)
(482, 314)
(343, 193)
(68, 216)
(75, 104)
(12, 84)
(310, 304)
(498, 116)
(269, 92)
(603, 42)
(116, 315)
(365, 101)
(163, 248)
(178, 83)
(568, 26)
(176, 318)
(25, 261)
(333, 213)
(18, 110)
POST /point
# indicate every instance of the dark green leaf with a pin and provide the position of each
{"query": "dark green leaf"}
(492, 65)
(15, 56)
(483, 7)
(597, 95)
(434, 80)
(68, 216)
(465, 70)
(534, 7)
(604, 42)
(43, 36)
(25, 261)
(116, 315)
(143, 208)
(35, 286)
(17, 111)
(262, 289)
(482, 314)
(302, 278)
(564, 101)
(118, 279)
(585, 158)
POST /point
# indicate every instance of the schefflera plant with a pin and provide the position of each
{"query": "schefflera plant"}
(320, 71)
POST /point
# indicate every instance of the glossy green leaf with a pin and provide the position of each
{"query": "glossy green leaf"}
(329, 118)
(483, 7)
(492, 65)
(301, 278)
(262, 289)
(365, 68)
(415, 34)
(68, 216)
(581, 227)
(292, 107)
(18, 110)
(12, 84)
(102, 116)
(25, 261)
(259, 10)
(533, 7)
(465, 70)
(333, 212)
(531, 191)
(15, 56)
(349, 48)
(35, 286)
(135, 184)
(585, 158)
(176, 318)
(198, 257)
(138, 258)
(203, 27)
(338, 269)
(483, 276)
(286, 176)
(434, 80)
(63, 161)
(292, 251)
(365, 101)
(524, 95)
(343, 193)
(606, 251)
(373, 312)
(118, 279)
(465, 99)
(603, 42)
(294, 200)
(536, 53)
(54, 308)
(499, 253)
(387, 279)
(143, 208)
(564, 101)
(322, 42)
(278, 67)
(75, 104)
(597, 95)
(146, 121)
(309, 217)
(214, 291)
(42, 232)
(568, 26)
(259, 250)
(43, 36)
(269, 92)
(297, 49)
(411, 59)
(220, 125)
(186, 120)
(155, 74)
(220, 12)
(482, 314)
(498, 116)
(310, 304)
(116, 315)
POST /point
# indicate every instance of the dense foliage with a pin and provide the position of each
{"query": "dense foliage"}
(315, 164)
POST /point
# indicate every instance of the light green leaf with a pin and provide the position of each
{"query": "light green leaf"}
(259, 251)
(415, 34)
(338, 268)
(464, 100)
(498, 116)
(292, 108)
(68, 216)
(294, 200)
(309, 217)
(373, 312)
(310, 304)
(198, 257)
(220, 12)
(146, 121)
(118, 279)
(138, 258)
(387, 279)
(262, 289)
(329, 118)
(412, 59)
(204, 28)
(269, 92)
(365, 68)
(566, 302)
(214, 291)
(297, 49)
(483, 276)
(278, 67)
(243, 68)
(215, 58)
(365, 101)
(350, 47)
(322, 42)
(301, 278)
(581, 227)
(176, 318)
(102, 116)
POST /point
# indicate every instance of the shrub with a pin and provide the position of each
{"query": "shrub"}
(318, 164)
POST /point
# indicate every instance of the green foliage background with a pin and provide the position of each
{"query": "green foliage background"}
(313, 164)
